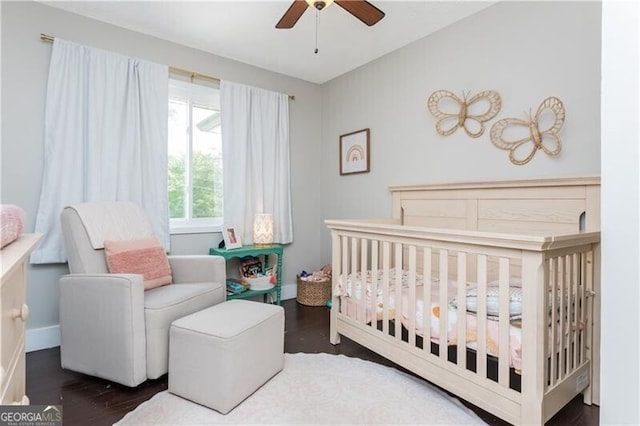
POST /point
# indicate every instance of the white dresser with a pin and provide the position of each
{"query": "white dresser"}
(15, 311)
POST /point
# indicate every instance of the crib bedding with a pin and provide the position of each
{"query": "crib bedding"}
(350, 293)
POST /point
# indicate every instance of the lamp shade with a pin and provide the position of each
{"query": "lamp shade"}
(263, 229)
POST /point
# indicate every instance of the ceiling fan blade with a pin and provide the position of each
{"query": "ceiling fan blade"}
(292, 14)
(363, 10)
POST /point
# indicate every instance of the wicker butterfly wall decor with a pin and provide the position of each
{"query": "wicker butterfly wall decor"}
(458, 113)
(523, 138)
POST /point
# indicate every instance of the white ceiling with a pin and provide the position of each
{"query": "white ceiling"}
(245, 30)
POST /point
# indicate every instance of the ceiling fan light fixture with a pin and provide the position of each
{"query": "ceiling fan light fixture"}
(319, 4)
(361, 9)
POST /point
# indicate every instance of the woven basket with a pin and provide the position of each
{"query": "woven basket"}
(314, 293)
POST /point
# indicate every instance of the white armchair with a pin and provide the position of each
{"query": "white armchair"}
(110, 326)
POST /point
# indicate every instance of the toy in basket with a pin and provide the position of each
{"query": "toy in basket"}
(252, 272)
(314, 289)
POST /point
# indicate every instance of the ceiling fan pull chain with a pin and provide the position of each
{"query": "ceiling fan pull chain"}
(317, 29)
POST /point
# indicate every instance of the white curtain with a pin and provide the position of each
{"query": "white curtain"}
(255, 146)
(105, 139)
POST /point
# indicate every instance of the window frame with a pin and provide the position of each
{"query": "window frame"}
(195, 97)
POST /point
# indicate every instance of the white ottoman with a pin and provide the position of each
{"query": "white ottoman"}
(221, 355)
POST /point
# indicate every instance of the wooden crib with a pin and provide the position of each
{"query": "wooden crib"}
(511, 266)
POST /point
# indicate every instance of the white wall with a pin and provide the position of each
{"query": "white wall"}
(620, 350)
(25, 62)
(526, 51)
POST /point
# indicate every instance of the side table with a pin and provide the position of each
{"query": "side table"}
(254, 251)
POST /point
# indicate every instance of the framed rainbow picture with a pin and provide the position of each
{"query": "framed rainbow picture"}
(354, 152)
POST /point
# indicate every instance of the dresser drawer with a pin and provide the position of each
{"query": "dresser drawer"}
(14, 313)
(14, 391)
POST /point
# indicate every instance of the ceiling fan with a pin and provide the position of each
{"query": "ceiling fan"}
(361, 9)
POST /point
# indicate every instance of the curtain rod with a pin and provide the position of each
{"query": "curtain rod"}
(192, 74)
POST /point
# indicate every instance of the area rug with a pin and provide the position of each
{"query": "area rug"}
(320, 389)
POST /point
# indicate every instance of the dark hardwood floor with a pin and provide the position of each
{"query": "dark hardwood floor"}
(90, 401)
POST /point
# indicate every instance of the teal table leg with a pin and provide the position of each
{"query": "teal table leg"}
(279, 284)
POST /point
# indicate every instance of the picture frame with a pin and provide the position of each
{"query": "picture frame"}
(354, 152)
(231, 236)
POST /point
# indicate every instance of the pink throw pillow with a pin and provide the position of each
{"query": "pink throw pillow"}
(146, 257)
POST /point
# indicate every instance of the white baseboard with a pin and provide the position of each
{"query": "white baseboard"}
(42, 338)
(288, 291)
(49, 337)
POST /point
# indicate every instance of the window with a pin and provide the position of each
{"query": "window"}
(195, 158)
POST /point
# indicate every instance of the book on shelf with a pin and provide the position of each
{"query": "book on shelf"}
(235, 286)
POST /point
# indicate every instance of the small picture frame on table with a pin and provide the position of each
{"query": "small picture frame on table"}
(354, 152)
(231, 236)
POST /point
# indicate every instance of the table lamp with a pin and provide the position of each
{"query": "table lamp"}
(263, 230)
